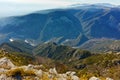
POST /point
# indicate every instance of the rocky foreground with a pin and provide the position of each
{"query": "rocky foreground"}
(8, 71)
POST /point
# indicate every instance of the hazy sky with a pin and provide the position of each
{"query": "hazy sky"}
(17, 7)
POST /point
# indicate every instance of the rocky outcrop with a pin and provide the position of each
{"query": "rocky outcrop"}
(109, 78)
(3, 77)
(6, 63)
(94, 78)
(8, 71)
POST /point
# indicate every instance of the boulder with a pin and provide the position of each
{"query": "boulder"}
(75, 78)
(70, 73)
(39, 73)
(109, 78)
(53, 71)
(61, 78)
(36, 78)
(3, 77)
(2, 70)
(30, 66)
(6, 63)
(94, 78)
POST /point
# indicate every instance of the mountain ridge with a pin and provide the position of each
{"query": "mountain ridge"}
(62, 25)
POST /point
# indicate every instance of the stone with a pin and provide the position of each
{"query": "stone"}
(3, 77)
(70, 73)
(2, 70)
(6, 63)
(94, 78)
(39, 73)
(30, 66)
(53, 71)
(75, 78)
(109, 78)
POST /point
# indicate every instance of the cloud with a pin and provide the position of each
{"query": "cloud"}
(7, 5)
(18, 7)
(50, 2)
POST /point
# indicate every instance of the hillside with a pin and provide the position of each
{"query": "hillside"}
(71, 26)
(101, 45)
(85, 64)
(17, 46)
(48, 50)
(60, 52)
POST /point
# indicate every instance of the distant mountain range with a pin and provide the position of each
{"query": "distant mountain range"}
(17, 46)
(71, 26)
(49, 50)
(101, 45)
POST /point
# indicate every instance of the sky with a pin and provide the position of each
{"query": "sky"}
(20, 7)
